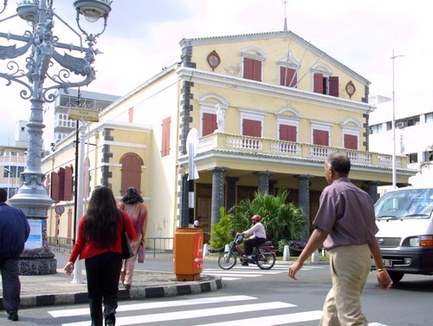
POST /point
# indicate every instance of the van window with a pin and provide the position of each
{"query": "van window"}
(407, 203)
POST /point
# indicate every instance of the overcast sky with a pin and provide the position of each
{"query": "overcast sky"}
(143, 36)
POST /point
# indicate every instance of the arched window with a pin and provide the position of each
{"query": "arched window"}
(131, 172)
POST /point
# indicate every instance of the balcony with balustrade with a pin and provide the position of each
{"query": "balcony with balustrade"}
(277, 155)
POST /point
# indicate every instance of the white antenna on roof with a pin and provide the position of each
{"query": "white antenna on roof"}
(285, 15)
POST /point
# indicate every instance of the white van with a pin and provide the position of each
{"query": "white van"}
(405, 220)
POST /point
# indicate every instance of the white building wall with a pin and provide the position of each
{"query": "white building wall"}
(157, 102)
(408, 139)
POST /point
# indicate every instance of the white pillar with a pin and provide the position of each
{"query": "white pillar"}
(315, 257)
(286, 253)
(80, 194)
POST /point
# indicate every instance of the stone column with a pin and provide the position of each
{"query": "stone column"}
(217, 194)
(304, 200)
(272, 184)
(372, 190)
(263, 181)
(231, 191)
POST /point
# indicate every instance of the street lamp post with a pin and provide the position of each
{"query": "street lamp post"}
(393, 163)
(69, 71)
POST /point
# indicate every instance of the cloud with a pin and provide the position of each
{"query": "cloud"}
(143, 36)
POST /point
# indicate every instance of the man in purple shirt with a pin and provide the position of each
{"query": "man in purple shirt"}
(345, 225)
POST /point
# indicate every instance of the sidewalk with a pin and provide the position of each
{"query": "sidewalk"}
(58, 289)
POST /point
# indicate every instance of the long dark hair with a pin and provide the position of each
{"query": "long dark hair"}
(102, 215)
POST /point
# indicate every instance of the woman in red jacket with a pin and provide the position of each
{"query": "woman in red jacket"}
(99, 243)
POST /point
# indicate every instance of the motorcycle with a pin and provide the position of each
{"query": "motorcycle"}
(263, 256)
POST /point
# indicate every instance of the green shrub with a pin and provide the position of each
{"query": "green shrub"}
(283, 221)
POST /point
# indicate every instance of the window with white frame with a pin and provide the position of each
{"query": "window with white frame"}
(208, 120)
(321, 134)
(323, 80)
(288, 130)
(413, 157)
(288, 70)
(350, 139)
(252, 123)
(252, 63)
(375, 129)
(209, 104)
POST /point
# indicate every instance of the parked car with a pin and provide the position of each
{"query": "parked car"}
(405, 220)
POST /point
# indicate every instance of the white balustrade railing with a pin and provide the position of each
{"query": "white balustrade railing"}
(290, 149)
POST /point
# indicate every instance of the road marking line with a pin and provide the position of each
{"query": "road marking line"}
(297, 317)
(179, 315)
(236, 274)
(155, 305)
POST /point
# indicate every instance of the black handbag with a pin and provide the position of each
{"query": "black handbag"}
(126, 245)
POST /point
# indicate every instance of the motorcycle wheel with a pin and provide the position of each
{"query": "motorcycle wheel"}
(226, 260)
(266, 261)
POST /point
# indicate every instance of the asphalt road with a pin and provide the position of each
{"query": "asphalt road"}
(252, 296)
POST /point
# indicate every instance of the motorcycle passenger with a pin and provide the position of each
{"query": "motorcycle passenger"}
(259, 236)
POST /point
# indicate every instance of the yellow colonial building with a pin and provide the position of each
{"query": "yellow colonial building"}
(255, 112)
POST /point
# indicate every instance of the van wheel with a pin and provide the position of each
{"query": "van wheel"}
(395, 276)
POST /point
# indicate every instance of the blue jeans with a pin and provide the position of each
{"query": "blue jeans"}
(103, 272)
(11, 283)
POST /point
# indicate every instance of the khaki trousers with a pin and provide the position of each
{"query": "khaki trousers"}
(349, 266)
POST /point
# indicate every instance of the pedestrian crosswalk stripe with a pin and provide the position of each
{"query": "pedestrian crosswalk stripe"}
(243, 271)
(235, 274)
(156, 305)
(207, 312)
(239, 272)
(296, 317)
(272, 313)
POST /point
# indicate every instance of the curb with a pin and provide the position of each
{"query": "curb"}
(205, 284)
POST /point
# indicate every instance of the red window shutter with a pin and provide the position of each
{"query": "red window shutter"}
(287, 132)
(333, 86)
(252, 128)
(252, 69)
(320, 137)
(257, 66)
(209, 123)
(131, 172)
(165, 143)
(131, 115)
(351, 141)
(55, 187)
(318, 83)
(288, 77)
(68, 184)
(61, 174)
(248, 68)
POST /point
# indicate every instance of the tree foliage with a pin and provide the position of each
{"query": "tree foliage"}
(282, 220)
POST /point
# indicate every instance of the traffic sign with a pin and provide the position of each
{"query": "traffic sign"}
(84, 114)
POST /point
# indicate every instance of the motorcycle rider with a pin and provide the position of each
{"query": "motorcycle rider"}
(259, 236)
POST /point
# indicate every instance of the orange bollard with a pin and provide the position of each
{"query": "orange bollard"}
(188, 254)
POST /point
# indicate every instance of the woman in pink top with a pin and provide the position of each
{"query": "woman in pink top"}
(132, 204)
